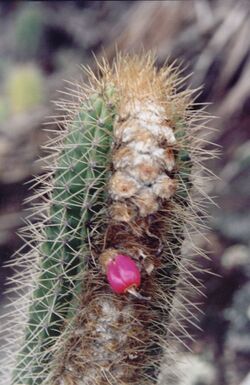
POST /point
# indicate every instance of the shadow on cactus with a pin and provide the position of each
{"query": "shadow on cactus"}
(118, 200)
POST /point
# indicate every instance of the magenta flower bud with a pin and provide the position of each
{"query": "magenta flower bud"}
(123, 274)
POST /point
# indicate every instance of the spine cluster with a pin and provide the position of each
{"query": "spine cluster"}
(119, 208)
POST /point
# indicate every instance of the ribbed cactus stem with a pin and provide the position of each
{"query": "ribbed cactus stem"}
(80, 175)
(121, 340)
(119, 205)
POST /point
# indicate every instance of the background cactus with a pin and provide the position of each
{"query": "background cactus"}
(27, 31)
(24, 89)
(121, 183)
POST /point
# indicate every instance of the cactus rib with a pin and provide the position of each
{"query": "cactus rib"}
(77, 185)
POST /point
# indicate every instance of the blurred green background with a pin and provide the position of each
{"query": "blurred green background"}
(43, 43)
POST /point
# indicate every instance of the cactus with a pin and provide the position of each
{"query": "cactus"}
(79, 173)
(117, 207)
(27, 30)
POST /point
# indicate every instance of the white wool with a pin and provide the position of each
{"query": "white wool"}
(141, 146)
(151, 117)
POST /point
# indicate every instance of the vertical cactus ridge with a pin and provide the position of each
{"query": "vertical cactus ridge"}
(127, 182)
(76, 194)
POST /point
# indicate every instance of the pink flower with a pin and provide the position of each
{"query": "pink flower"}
(123, 274)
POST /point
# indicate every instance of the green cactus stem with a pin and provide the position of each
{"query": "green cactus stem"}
(78, 182)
